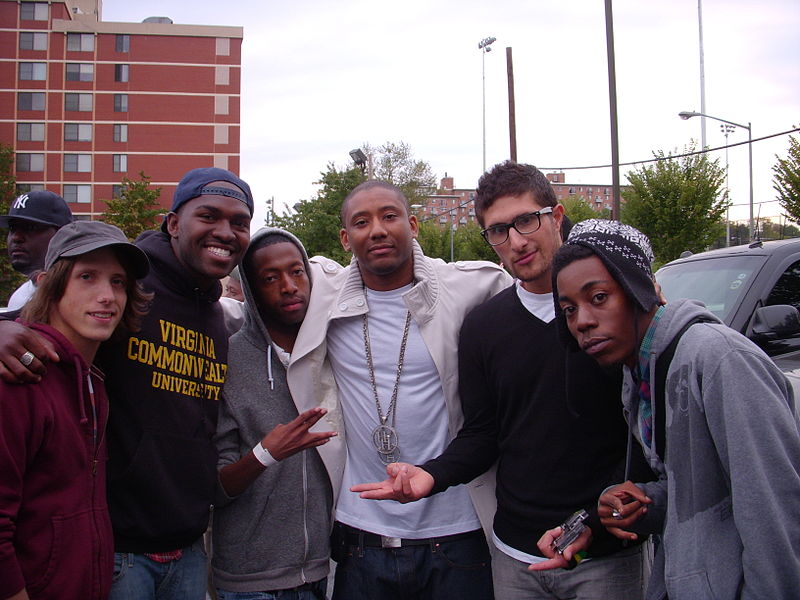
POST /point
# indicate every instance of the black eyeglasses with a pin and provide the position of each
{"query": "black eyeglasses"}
(524, 224)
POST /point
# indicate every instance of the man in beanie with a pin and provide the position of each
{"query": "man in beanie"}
(164, 386)
(34, 217)
(724, 443)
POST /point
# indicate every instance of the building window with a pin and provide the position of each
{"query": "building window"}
(120, 133)
(221, 161)
(116, 190)
(30, 101)
(29, 40)
(30, 132)
(81, 102)
(33, 11)
(121, 72)
(32, 71)
(120, 163)
(30, 162)
(123, 42)
(220, 105)
(223, 47)
(80, 42)
(120, 102)
(77, 132)
(78, 194)
(80, 72)
(220, 134)
(78, 163)
(222, 75)
(24, 188)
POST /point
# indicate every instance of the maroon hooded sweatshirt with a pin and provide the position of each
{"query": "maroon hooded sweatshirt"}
(55, 531)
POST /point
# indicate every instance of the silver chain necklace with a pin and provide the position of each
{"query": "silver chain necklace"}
(384, 436)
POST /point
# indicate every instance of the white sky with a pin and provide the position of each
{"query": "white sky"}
(320, 78)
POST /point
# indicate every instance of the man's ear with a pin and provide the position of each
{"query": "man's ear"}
(412, 221)
(344, 240)
(172, 224)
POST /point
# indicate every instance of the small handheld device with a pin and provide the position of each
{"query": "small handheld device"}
(571, 529)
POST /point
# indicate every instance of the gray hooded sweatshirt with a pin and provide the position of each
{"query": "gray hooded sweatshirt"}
(275, 535)
(729, 490)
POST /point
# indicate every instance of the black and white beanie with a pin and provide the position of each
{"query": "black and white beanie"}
(627, 254)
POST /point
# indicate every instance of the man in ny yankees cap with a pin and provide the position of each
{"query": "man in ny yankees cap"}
(34, 217)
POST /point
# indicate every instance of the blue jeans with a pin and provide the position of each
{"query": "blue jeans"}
(450, 570)
(314, 591)
(137, 577)
(620, 576)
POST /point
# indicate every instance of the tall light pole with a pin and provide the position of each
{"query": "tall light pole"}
(485, 46)
(688, 114)
(702, 76)
(726, 131)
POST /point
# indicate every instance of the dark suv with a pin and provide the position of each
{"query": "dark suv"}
(754, 289)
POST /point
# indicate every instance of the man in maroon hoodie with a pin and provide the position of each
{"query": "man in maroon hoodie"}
(55, 530)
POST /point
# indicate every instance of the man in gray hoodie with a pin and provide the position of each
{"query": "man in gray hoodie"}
(271, 529)
(727, 449)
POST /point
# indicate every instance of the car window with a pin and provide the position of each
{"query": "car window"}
(719, 283)
(787, 288)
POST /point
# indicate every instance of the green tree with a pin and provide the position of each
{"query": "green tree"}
(9, 278)
(396, 164)
(434, 239)
(578, 209)
(470, 245)
(136, 209)
(787, 179)
(678, 202)
(317, 222)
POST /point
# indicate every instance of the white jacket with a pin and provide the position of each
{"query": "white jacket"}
(440, 299)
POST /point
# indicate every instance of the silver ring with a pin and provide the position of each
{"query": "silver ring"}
(27, 358)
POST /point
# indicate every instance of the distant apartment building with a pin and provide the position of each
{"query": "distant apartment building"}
(451, 205)
(86, 102)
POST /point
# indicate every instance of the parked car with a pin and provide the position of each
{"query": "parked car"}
(754, 289)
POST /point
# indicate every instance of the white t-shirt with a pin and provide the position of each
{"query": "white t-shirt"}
(539, 305)
(421, 421)
(21, 295)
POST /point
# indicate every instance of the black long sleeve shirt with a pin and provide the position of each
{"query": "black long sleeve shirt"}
(552, 420)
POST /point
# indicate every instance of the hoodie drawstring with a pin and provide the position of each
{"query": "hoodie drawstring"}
(269, 368)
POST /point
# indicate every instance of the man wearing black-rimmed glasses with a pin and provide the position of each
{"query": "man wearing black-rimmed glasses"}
(550, 420)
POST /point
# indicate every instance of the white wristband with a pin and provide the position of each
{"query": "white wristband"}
(263, 456)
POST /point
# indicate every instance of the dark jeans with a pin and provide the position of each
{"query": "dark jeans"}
(439, 570)
(312, 591)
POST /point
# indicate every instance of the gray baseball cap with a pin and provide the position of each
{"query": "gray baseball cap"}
(80, 237)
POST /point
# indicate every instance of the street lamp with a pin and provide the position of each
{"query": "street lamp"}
(358, 156)
(485, 46)
(687, 114)
(726, 131)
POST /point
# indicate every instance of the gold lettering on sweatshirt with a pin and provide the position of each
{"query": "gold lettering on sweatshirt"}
(184, 363)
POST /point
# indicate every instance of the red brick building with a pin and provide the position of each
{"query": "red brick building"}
(86, 102)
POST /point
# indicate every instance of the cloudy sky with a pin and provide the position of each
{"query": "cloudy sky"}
(320, 78)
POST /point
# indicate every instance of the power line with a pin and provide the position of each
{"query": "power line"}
(672, 156)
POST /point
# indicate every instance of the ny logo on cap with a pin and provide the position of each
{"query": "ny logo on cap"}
(20, 201)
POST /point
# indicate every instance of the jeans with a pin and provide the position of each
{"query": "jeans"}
(449, 570)
(314, 591)
(137, 577)
(621, 576)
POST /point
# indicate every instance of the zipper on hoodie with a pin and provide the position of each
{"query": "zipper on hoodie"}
(305, 520)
